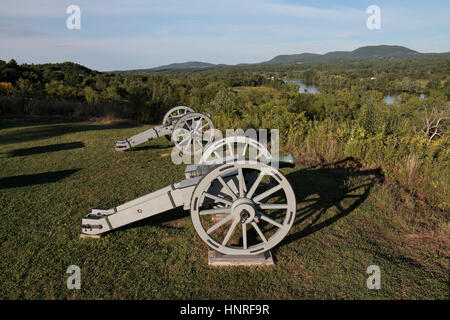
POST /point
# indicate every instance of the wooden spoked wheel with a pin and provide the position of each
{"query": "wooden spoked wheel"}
(193, 133)
(176, 113)
(235, 148)
(254, 216)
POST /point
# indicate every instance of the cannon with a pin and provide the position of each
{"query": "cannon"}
(234, 182)
(190, 131)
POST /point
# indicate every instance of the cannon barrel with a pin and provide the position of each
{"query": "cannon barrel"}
(287, 161)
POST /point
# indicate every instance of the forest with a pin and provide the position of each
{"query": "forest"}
(347, 118)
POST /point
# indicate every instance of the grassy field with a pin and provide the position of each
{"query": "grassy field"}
(348, 218)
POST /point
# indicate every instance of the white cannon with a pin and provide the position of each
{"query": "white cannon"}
(235, 182)
(190, 131)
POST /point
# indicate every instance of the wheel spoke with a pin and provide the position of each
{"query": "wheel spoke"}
(269, 219)
(258, 230)
(206, 135)
(215, 211)
(273, 206)
(217, 154)
(245, 150)
(198, 124)
(238, 147)
(241, 183)
(188, 144)
(230, 146)
(198, 141)
(227, 187)
(184, 140)
(230, 232)
(181, 132)
(267, 193)
(218, 199)
(188, 125)
(244, 235)
(255, 185)
(219, 224)
(233, 186)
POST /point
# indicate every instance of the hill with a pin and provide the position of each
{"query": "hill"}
(368, 53)
(170, 67)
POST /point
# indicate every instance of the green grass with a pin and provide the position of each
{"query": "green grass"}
(53, 174)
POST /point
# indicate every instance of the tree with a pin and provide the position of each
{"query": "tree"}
(6, 88)
(434, 84)
(110, 94)
(434, 123)
(91, 95)
(24, 88)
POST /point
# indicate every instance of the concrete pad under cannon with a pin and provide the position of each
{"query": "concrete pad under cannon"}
(219, 259)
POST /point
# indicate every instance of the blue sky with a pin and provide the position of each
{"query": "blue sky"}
(119, 34)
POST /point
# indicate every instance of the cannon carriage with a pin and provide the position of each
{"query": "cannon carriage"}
(240, 204)
(190, 131)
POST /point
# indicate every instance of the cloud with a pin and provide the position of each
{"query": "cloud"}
(8, 32)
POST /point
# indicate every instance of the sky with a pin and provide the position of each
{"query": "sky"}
(134, 34)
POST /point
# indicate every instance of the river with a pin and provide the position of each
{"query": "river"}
(390, 99)
(304, 88)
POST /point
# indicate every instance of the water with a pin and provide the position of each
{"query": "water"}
(304, 88)
(309, 88)
(389, 99)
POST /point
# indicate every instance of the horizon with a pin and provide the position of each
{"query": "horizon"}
(214, 64)
(281, 54)
(142, 35)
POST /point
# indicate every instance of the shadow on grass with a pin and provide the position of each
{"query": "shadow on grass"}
(342, 185)
(158, 220)
(151, 147)
(45, 149)
(32, 179)
(44, 131)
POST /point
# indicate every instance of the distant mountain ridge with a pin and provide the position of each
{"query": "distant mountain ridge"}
(174, 66)
(367, 53)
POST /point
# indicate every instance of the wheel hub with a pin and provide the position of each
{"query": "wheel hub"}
(244, 216)
(243, 210)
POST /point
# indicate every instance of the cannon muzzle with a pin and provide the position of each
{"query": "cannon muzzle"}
(287, 161)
